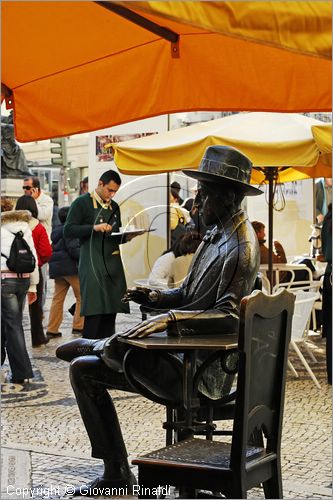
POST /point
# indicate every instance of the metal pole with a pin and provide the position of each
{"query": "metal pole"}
(271, 174)
(168, 238)
(270, 230)
(168, 211)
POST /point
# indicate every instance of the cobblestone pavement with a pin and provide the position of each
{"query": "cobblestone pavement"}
(45, 447)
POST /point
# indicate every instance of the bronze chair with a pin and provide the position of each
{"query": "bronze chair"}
(233, 468)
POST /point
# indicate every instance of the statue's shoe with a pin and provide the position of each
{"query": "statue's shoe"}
(106, 487)
(78, 347)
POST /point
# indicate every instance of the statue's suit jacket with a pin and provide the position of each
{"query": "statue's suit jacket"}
(222, 272)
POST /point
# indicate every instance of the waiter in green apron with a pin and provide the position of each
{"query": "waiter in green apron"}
(93, 218)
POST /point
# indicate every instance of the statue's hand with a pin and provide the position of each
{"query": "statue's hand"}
(141, 295)
(98, 346)
(157, 324)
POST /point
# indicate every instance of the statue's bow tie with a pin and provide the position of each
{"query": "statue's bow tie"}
(211, 235)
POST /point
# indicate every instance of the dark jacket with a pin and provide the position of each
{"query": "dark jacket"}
(326, 240)
(223, 271)
(66, 254)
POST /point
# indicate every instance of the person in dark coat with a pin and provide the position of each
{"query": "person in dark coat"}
(326, 238)
(63, 268)
(323, 195)
(222, 272)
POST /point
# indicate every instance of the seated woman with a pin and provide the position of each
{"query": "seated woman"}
(179, 267)
(279, 256)
(162, 268)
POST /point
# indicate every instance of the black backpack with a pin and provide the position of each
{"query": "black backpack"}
(21, 259)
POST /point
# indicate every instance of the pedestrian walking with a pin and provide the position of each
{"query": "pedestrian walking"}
(44, 202)
(63, 268)
(84, 186)
(44, 252)
(14, 289)
(31, 187)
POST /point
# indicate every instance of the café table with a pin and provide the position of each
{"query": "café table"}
(188, 346)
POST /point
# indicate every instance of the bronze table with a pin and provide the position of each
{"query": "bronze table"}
(188, 346)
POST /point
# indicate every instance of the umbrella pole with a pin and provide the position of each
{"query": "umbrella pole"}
(168, 231)
(168, 239)
(271, 175)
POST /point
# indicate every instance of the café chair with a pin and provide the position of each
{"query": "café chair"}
(306, 294)
(303, 307)
(233, 468)
(308, 285)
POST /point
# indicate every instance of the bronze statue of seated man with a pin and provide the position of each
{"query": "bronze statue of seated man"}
(222, 272)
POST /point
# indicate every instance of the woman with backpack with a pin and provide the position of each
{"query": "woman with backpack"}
(14, 288)
(44, 252)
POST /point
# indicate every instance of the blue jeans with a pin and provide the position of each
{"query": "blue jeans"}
(13, 292)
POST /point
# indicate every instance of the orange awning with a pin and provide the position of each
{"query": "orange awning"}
(71, 67)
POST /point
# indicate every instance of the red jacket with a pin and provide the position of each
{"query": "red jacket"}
(42, 244)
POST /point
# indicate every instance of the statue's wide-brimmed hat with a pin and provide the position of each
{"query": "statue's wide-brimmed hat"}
(228, 165)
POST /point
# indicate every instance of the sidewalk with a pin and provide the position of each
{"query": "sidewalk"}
(45, 446)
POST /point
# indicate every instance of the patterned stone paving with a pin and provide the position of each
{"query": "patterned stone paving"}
(45, 446)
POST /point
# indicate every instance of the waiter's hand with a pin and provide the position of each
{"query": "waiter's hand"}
(103, 228)
(157, 324)
(141, 295)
